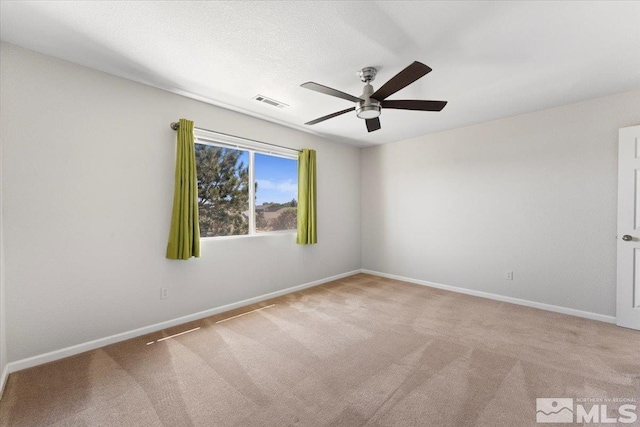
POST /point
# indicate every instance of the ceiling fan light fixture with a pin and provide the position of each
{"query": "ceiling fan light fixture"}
(368, 111)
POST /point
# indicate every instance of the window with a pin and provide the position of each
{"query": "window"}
(244, 188)
(223, 190)
(276, 193)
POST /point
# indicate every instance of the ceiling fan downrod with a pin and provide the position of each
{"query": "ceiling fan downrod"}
(367, 108)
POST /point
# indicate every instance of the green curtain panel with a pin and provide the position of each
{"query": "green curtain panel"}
(307, 231)
(184, 236)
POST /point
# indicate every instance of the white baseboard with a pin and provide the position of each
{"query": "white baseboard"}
(3, 379)
(101, 342)
(533, 304)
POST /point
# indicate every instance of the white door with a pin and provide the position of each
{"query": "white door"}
(628, 293)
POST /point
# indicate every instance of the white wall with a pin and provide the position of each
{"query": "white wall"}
(535, 194)
(3, 329)
(88, 163)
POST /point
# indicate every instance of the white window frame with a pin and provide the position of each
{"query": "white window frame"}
(222, 140)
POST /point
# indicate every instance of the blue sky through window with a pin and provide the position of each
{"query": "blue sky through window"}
(277, 179)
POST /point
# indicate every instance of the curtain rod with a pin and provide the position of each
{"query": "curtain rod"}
(176, 125)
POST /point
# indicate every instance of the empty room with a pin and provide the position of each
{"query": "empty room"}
(290, 213)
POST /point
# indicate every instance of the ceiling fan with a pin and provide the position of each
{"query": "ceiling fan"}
(369, 104)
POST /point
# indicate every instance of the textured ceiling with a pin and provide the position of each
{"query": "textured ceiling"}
(489, 59)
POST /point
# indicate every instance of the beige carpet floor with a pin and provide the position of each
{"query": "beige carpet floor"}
(361, 351)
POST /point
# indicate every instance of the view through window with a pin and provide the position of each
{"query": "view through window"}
(276, 193)
(230, 206)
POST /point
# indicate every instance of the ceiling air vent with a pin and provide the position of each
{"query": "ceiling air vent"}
(273, 102)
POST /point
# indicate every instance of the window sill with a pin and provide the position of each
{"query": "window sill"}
(244, 236)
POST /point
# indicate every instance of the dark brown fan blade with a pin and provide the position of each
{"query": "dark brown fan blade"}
(330, 116)
(329, 91)
(414, 104)
(373, 124)
(401, 80)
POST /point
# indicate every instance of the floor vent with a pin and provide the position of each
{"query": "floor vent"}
(273, 102)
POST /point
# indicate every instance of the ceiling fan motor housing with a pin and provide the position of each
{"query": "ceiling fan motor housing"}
(368, 108)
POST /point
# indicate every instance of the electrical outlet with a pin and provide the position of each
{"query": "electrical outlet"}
(164, 293)
(508, 275)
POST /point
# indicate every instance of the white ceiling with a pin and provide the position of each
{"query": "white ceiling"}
(490, 59)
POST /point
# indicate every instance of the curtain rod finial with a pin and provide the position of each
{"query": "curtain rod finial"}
(174, 125)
